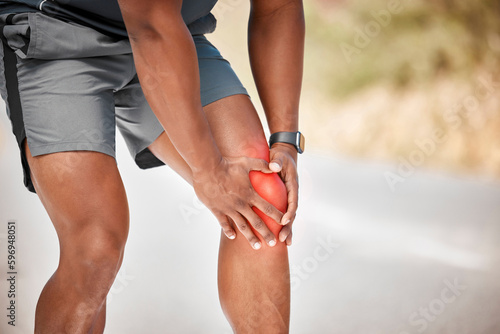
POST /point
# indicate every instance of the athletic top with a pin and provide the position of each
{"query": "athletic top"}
(105, 15)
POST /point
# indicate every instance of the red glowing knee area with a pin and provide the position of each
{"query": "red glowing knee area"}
(272, 189)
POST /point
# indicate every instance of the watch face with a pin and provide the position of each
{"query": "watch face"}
(302, 143)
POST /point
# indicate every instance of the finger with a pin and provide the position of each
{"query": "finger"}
(259, 225)
(258, 164)
(276, 162)
(292, 186)
(245, 229)
(267, 208)
(227, 229)
(285, 232)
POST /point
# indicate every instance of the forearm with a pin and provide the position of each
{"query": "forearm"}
(276, 48)
(167, 67)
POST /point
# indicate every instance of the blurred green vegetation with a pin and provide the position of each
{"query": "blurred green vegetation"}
(424, 40)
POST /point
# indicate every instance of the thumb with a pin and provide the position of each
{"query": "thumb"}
(260, 165)
(276, 163)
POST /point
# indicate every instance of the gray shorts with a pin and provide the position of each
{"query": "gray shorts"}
(67, 87)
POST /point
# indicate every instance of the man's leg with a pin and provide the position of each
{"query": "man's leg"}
(254, 285)
(85, 199)
(100, 320)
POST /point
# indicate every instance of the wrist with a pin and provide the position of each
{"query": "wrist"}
(288, 123)
(207, 168)
(288, 148)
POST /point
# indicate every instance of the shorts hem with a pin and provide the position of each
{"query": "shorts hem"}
(223, 92)
(155, 131)
(70, 146)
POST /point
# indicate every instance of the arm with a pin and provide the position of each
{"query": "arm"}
(166, 62)
(276, 46)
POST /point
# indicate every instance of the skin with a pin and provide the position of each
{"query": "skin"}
(213, 148)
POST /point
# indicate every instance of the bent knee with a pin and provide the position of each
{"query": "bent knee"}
(255, 148)
(95, 257)
(272, 189)
(101, 257)
(269, 186)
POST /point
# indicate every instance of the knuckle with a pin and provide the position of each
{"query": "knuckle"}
(239, 203)
(268, 210)
(258, 224)
(221, 218)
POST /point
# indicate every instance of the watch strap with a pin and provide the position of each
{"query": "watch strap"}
(294, 138)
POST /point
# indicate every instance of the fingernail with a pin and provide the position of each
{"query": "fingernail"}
(230, 236)
(272, 243)
(282, 237)
(257, 245)
(274, 165)
(287, 222)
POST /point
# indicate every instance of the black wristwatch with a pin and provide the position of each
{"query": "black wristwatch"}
(295, 138)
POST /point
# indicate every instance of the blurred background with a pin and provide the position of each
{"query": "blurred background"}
(380, 75)
(398, 230)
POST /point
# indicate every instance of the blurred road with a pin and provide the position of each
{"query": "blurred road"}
(422, 259)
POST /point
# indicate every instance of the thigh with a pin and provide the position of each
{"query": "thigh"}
(237, 130)
(236, 127)
(84, 196)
